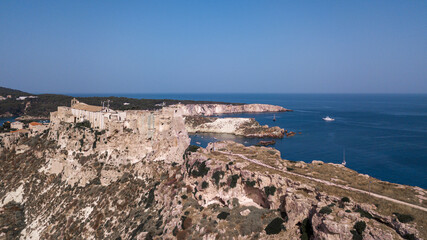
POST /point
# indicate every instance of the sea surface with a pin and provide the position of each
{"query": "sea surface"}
(384, 135)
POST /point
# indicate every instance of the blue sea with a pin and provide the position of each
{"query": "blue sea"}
(384, 135)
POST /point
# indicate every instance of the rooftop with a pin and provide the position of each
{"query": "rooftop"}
(86, 107)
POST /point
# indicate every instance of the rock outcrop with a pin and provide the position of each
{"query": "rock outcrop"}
(216, 109)
(247, 127)
(74, 182)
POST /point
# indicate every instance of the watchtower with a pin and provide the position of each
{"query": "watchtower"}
(74, 101)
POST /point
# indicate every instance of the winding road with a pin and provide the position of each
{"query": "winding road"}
(326, 182)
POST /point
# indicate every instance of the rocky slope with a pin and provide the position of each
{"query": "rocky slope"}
(247, 127)
(72, 182)
(216, 109)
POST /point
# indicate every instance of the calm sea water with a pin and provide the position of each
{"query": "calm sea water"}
(384, 136)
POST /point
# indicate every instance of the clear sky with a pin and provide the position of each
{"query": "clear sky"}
(214, 46)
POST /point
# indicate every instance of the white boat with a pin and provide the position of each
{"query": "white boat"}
(328, 119)
(343, 160)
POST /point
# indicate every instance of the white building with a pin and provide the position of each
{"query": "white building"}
(17, 125)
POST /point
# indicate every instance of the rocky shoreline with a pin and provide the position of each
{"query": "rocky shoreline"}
(72, 179)
(217, 109)
(247, 127)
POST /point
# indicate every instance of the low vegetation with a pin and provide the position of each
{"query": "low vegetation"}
(270, 190)
(217, 176)
(404, 218)
(325, 210)
(233, 181)
(223, 215)
(359, 227)
(275, 226)
(306, 229)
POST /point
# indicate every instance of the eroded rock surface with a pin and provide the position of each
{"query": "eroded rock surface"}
(247, 127)
(215, 109)
(73, 182)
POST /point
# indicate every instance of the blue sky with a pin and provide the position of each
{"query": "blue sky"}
(214, 46)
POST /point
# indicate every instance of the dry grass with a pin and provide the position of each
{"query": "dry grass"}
(352, 178)
(345, 176)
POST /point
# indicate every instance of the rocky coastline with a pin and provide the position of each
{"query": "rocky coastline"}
(217, 109)
(72, 180)
(247, 127)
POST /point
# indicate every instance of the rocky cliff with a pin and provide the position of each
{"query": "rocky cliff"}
(215, 109)
(73, 182)
(247, 127)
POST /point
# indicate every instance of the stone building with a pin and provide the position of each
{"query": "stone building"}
(17, 125)
(37, 127)
(141, 121)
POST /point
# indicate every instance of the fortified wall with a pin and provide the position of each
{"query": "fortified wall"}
(103, 118)
(121, 136)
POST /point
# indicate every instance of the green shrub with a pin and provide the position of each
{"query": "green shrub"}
(270, 190)
(223, 215)
(192, 148)
(363, 213)
(218, 175)
(345, 199)
(150, 198)
(275, 226)
(81, 143)
(347, 211)
(205, 185)
(360, 226)
(306, 229)
(84, 124)
(201, 171)
(356, 235)
(404, 218)
(234, 179)
(250, 183)
(325, 210)
(409, 236)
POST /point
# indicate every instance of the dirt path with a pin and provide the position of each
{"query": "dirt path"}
(327, 182)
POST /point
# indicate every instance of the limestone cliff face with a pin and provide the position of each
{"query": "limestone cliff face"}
(125, 143)
(215, 109)
(75, 182)
(247, 127)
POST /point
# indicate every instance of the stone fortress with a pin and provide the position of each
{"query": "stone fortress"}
(129, 136)
(104, 118)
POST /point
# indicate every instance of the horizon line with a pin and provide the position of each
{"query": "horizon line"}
(152, 93)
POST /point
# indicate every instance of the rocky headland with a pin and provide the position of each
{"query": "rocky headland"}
(216, 109)
(75, 182)
(247, 127)
(138, 178)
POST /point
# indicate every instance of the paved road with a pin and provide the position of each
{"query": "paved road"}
(327, 182)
